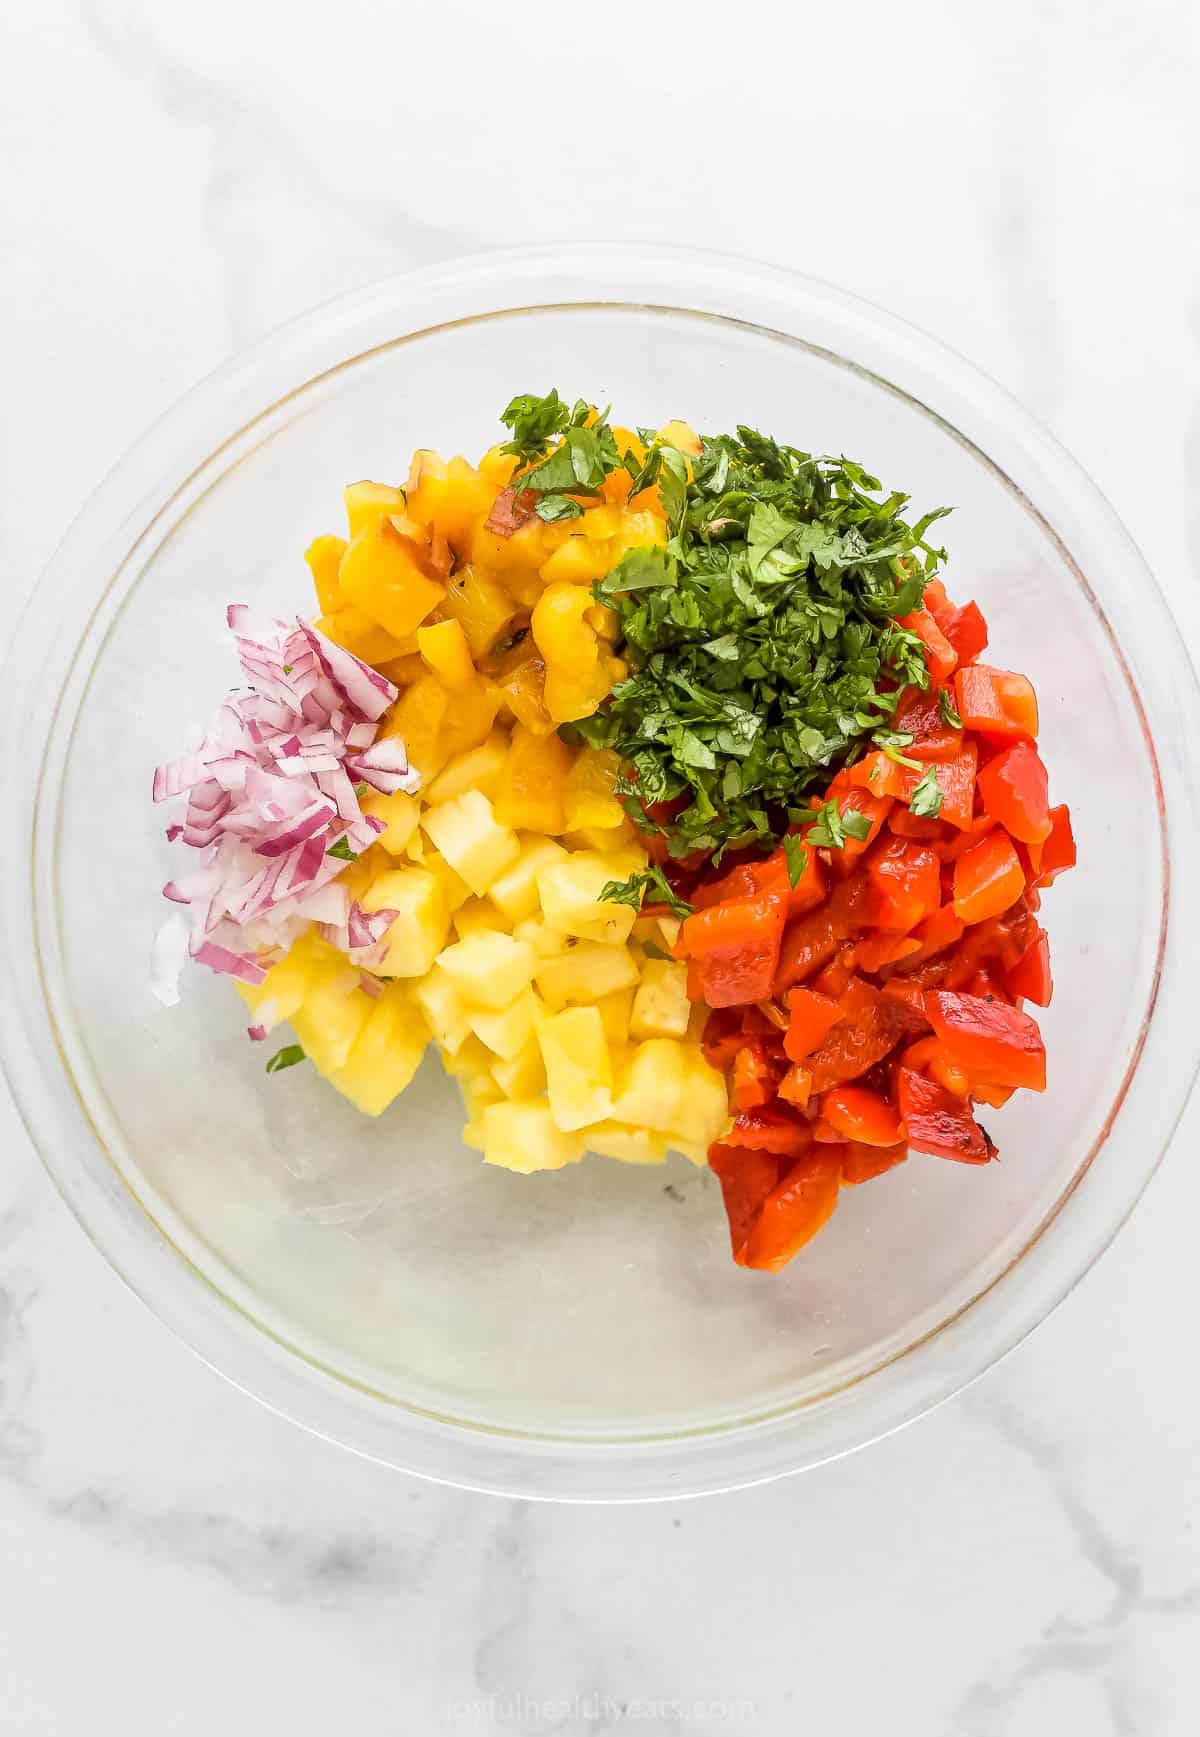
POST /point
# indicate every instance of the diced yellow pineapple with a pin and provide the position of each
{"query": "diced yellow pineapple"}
(478, 914)
(415, 851)
(604, 839)
(478, 1091)
(472, 1136)
(477, 769)
(418, 933)
(442, 1006)
(489, 969)
(455, 891)
(515, 891)
(661, 1007)
(585, 973)
(507, 1031)
(368, 502)
(287, 984)
(386, 1053)
(629, 1145)
(651, 1092)
(328, 1025)
(615, 1011)
(695, 1153)
(522, 1075)
(467, 834)
(578, 1067)
(522, 1136)
(474, 1058)
(547, 943)
(401, 817)
(570, 895)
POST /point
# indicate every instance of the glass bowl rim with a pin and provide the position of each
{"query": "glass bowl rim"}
(126, 504)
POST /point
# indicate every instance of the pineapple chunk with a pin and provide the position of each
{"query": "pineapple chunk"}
(570, 895)
(455, 890)
(654, 1090)
(578, 1067)
(490, 969)
(442, 1006)
(400, 815)
(478, 914)
(478, 1091)
(368, 502)
(473, 1059)
(629, 1145)
(287, 984)
(547, 943)
(586, 973)
(506, 1031)
(522, 1136)
(605, 839)
(467, 834)
(329, 1023)
(522, 1075)
(615, 1011)
(661, 1007)
(418, 931)
(515, 891)
(386, 1054)
(477, 769)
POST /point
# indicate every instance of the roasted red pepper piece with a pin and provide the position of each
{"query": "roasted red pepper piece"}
(992, 1043)
(906, 882)
(862, 1163)
(753, 1080)
(1030, 976)
(723, 1037)
(813, 1016)
(733, 949)
(770, 1129)
(1013, 789)
(871, 1028)
(796, 1086)
(813, 940)
(940, 655)
(857, 1114)
(1058, 849)
(747, 1177)
(937, 1122)
(966, 630)
(999, 703)
(800, 1205)
(988, 879)
(937, 932)
(919, 715)
(883, 949)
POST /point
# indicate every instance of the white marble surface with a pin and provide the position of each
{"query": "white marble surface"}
(174, 180)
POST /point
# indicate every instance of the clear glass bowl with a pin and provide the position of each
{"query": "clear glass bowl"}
(582, 1334)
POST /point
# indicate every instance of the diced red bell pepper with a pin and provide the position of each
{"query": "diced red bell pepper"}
(862, 1163)
(966, 630)
(878, 775)
(907, 825)
(1013, 788)
(934, 598)
(813, 940)
(927, 1056)
(723, 1037)
(871, 1028)
(857, 1114)
(992, 1043)
(919, 715)
(875, 806)
(999, 703)
(734, 949)
(940, 655)
(812, 1017)
(908, 996)
(1058, 848)
(796, 1086)
(752, 1083)
(906, 881)
(747, 1176)
(770, 1129)
(764, 874)
(833, 980)
(937, 932)
(988, 879)
(937, 1122)
(956, 781)
(1030, 976)
(800, 1205)
(886, 948)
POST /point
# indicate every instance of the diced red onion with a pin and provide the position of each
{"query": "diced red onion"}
(385, 767)
(168, 955)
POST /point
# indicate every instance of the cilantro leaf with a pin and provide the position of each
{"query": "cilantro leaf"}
(633, 890)
(796, 857)
(535, 422)
(832, 828)
(342, 849)
(946, 706)
(926, 799)
(287, 1057)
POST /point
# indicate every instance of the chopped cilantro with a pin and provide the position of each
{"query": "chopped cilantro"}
(832, 828)
(796, 856)
(361, 789)
(342, 849)
(536, 423)
(287, 1057)
(926, 799)
(633, 890)
(946, 706)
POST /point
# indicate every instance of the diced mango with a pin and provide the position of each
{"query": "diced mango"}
(522, 1075)
(328, 1024)
(444, 648)
(530, 792)
(381, 574)
(369, 502)
(578, 1067)
(401, 815)
(287, 983)
(470, 716)
(349, 627)
(629, 1145)
(386, 1053)
(452, 498)
(473, 842)
(578, 561)
(324, 557)
(490, 969)
(589, 794)
(661, 1007)
(577, 678)
(570, 896)
(477, 769)
(417, 933)
(522, 1136)
(515, 891)
(605, 839)
(587, 972)
(417, 718)
(506, 1030)
(440, 1002)
(482, 608)
(523, 693)
(680, 435)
